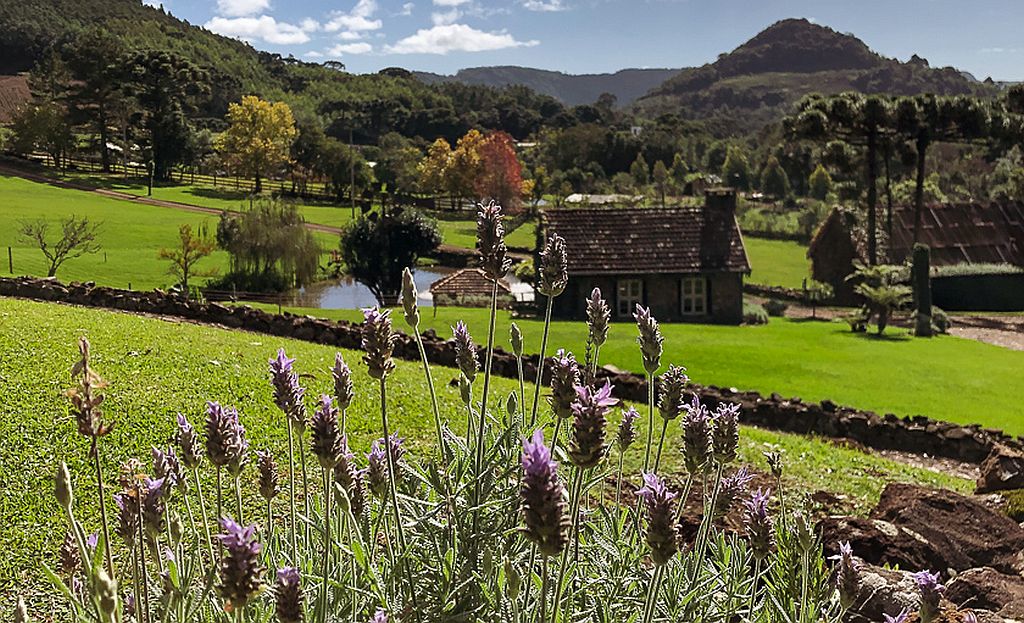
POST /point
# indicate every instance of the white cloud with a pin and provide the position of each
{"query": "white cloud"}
(313, 54)
(349, 35)
(241, 8)
(406, 9)
(309, 25)
(455, 38)
(350, 48)
(450, 2)
(359, 19)
(446, 17)
(544, 5)
(263, 28)
(998, 50)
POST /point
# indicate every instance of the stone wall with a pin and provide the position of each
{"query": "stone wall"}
(914, 434)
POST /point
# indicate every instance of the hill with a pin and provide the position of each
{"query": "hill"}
(626, 85)
(760, 80)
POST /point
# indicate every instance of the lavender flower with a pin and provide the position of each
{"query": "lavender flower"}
(553, 272)
(902, 617)
(969, 617)
(70, 559)
(598, 317)
(515, 335)
(269, 481)
(931, 594)
(85, 401)
(774, 460)
(288, 598)
(650, 339)
(725, 437)
(661, 533)
(127, 516)
(348, 475)
(325, 440)
(409, 306)
(379, 616)
(153, 507)
(241, 574)
(758, 522)
(673, 382)
(847, 575)
(377, 472)
(188, 443)
(565, 376)
(465, 351)
(627, 433)
(225, 438)
(166, 465)
(344, 390)
(545, 522)
(490, 234)
(697, 437)
(378, 342)
(288, 394)
(590, 417)
(731, 489)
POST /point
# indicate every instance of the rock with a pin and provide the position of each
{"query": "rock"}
(1002, 469)
(880, 543)
(963, 531)
(988, 589)
(883, 591)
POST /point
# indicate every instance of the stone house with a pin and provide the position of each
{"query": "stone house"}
(685, 263)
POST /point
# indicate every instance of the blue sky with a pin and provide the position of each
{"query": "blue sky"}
(587, 36)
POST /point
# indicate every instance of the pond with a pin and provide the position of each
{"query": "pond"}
(347, 293)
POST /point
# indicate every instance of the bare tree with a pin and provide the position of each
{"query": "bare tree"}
(78, 237)
(192, 248)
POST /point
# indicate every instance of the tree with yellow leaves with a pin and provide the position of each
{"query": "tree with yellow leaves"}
(433, 167)
(259, 137)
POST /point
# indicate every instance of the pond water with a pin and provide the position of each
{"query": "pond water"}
(347, 293)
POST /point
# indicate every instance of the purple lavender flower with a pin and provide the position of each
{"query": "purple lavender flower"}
(931, 594)
(725, 438)
(490, 235)
(241, 574)
(627, 433)
(673, 382)
(288, 394)
(598, 317)
(188, 443)
(348, 475)
(661, 533)
(590, 418)
(902, 617)
(553, 272)
(650, 339)
(465, 351)
(127, 516)
(847, 575)
(377, 472)
(378, 342)
(70, 559)
(565, 376)
(344, 390)
(269, 480)
(325, 439)
(288, 598)
(545, 522)
(167, 466)
(85, 400)
(153, 507)
(379, 616)
(225, 437)
(758, 522)
(697, 437)
(731, 489)
(409, 306)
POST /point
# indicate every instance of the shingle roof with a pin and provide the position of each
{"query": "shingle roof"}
(974, 233)
(468, 281)
(14, 92)
(649, 240)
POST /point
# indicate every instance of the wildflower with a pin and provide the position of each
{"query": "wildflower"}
(490, 234)
(902, 617)
(696, 437)
(344, 391)
(627, 429)
(269, 483)
(733, 486)
(465, 351)
(931, 594)
(377, 472)
(127, 516)
(379, 616)
(542, 496)
(62, 487)
(129, 471)
(225, 437)
(847, 575)
(167, 466)
(188, 443)
(153, 506)
(670, 403)
(84, 399)
(774, 464)
(378, 342)
(350, 477)
(553, 272)
(590, 417)
(241, 574)
(512, 404)
(661, 533)
(516, 339)
(759, 525)
(650, 339)
(288, 596)
(969, 617)
(288, 394)
(565, 376)
(325, 440)
(409, 306)
(70, 560)
(598, 317)
(725, 437)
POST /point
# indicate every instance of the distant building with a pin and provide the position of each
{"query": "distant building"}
(686, 264)
(469, 287)
(958, 233)
(14, 93)
(833, 250)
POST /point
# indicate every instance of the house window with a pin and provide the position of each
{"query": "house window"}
(694, 296)
(630, 294)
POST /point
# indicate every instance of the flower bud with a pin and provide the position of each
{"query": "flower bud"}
(62, 488)
(512, 404)
(516, 338)
(513, 580)
(412, 312)
(106, 592)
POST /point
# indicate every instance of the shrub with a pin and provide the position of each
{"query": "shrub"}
(775, 307)
(754, 313)
(940, 320)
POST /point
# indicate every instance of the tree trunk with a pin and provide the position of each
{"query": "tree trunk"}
(872, 154)
(258, 188)
(888, 193)
(922, 150)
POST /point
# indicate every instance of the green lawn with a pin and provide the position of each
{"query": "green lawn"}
(944, 377)
(157, 368)
(777, 262)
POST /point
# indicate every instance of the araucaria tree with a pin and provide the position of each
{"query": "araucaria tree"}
(191, 248)
(259, 137)
(77, 237)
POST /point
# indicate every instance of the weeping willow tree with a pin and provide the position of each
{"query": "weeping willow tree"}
(270, 247)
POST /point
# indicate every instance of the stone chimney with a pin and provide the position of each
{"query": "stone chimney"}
(723, 199)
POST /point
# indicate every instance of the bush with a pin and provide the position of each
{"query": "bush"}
(940, 320)
(754, 313)
(776, 308)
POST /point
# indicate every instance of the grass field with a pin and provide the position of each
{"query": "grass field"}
(157, 368)
(944, 377)
(777, 262)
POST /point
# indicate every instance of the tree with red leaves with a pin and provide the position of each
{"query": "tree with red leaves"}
(501, 175)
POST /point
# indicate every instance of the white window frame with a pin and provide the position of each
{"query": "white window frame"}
(693, 296)
(628, 294)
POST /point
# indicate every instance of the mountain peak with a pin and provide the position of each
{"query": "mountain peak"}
(798, 45)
